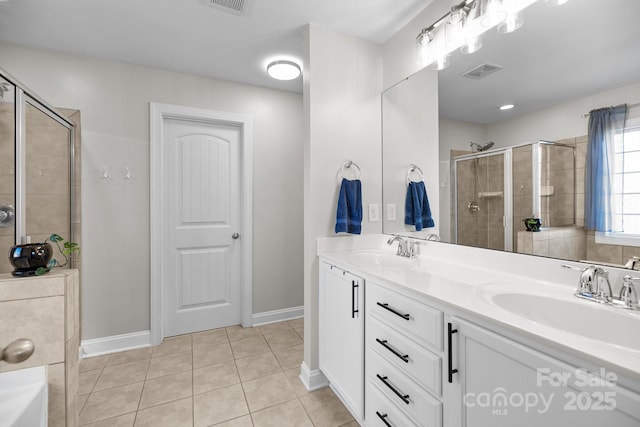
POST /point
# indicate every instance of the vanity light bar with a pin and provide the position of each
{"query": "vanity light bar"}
(466, 22)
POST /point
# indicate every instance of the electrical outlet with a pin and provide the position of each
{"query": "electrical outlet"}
(391, 211)
(373, 212)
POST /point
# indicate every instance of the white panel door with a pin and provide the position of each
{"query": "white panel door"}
(201, 260)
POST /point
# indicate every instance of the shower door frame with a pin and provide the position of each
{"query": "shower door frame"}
(22, 97)
(507, 219)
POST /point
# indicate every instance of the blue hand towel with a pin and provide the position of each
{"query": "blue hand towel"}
(416, 209)
(349, 214)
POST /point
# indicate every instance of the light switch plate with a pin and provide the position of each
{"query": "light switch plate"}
(373, 212)
(391, 211)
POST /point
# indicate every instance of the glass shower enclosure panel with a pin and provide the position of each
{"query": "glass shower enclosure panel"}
(481, 201)
(47, 178)
(557, 193)
(7, 171)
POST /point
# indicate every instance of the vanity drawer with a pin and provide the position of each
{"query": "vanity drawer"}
(382, 413)
(413, 360)
(414, 318)
(404, 392)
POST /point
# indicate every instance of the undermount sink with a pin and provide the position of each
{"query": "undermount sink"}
(565, 312)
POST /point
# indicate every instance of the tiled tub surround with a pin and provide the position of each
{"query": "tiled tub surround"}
(225, 377)
(46, 310)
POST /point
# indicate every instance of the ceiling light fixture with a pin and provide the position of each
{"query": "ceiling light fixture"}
(464, 25)
(506, 107)
(283, 70)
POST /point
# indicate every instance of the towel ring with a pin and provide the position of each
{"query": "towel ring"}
(416, 169)
(348, 164)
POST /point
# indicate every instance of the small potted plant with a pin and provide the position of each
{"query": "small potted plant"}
(37, 258)
(532, 223)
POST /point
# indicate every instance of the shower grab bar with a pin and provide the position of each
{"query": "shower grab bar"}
(348, 164)
(414, 168)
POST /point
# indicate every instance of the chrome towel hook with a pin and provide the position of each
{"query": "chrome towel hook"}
(348, 164)
(414, 169)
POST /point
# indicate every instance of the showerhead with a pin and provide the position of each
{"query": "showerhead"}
(475, 147)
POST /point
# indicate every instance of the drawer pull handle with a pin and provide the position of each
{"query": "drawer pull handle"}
(354, 285)
(450, 331)
(394, 311)
(404, 357)
(383, 418)
(404, 397)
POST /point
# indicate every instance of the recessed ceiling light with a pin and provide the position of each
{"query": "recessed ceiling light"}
(507, 107)
(283, 70)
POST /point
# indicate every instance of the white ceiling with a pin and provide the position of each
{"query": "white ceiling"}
(562, 53)
(191, 37)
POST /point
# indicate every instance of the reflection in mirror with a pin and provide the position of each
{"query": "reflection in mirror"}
(564, 62)
(409, 111)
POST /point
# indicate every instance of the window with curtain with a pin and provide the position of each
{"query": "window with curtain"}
(626, 183)
(605, 124)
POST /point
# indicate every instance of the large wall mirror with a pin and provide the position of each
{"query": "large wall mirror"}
(494, 168)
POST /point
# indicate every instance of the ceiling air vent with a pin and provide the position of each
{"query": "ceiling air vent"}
(238, 7)
(482, 71)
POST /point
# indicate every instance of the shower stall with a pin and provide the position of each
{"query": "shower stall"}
(38, 189)
(493, 191)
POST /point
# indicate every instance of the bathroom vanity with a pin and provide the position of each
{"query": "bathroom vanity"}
(442, 343)
(46, 310)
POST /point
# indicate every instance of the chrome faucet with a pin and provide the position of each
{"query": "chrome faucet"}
(406, 247)
(632, 262)
(594, 286)
(590, 284)
(433, 237)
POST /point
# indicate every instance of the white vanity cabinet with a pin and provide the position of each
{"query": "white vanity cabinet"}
(403, 360)
(341, 333)
(498, 382)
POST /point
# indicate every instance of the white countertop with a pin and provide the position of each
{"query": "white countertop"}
(446, 276)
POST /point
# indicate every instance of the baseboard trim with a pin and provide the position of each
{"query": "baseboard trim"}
(278, 315)
(312, 379)
(115, 343)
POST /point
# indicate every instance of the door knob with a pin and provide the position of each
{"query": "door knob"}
(234, 236)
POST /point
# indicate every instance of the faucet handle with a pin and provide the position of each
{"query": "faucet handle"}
(628, 293)
(587, 278)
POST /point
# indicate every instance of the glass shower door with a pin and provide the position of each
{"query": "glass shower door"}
(480, 201)
(7, 171)
(47, 176)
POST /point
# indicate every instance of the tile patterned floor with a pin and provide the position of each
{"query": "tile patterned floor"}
(231, 377)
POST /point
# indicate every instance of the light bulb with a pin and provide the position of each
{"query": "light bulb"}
(472, 44)
(512, 22)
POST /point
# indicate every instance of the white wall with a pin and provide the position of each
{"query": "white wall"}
(343, 82)
(410, 109)
(399, 52)
(114, 98)
(562, 121)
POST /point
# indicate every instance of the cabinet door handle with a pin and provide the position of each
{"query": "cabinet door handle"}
(450, 333)
(354, 285)
(404, 397)
(394, 311)
(383, 418)
(404, 357)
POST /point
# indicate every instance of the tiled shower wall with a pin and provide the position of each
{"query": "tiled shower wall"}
(485, 187)
(569, 242)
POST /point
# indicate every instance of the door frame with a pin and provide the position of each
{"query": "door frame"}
(158, 113)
